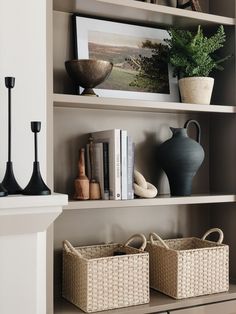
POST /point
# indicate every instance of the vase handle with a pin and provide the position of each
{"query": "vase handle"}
(186, 125)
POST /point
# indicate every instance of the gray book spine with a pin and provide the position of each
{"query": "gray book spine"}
(106, 170)
(112, 137)
(124, 167)
(130, 168)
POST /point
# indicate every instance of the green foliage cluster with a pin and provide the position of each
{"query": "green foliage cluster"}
(193, 53)
(152, 71)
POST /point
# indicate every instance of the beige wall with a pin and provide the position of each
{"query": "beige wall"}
(71, 128)
(224, 8)
(23, 55)
(222, 141)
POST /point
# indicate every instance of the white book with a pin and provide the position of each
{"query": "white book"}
(112, 137)
(130, 168)
(123, 154)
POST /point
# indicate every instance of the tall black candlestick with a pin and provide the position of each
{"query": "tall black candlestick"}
(9, 182)
(36, 185)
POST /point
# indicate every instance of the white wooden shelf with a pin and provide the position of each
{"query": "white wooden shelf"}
(158, 201)
(140, 12)
(158, 303)
(76, 101)
(18, 201)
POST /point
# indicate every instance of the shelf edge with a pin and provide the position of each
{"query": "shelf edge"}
(92, 7)
(158, 303)
(161, 201)
(86, 102)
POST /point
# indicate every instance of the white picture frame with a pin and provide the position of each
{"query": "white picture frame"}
(85, 26)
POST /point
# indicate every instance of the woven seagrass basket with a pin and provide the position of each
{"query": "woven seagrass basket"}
(95, 280)
(188, 267)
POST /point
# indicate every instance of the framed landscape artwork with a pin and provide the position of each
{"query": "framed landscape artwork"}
(138, 72)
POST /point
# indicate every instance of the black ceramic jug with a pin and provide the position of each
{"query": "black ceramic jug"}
(180, 157)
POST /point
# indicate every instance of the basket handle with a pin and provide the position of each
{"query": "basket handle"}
(138, 235)
(221, 238)
(70, 249)
(157, 237)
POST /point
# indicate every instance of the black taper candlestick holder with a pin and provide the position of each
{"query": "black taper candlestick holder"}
(36, 185)
(9, 182)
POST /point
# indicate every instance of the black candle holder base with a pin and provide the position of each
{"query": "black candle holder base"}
(3, 191)
(9, 182)
(36, 185)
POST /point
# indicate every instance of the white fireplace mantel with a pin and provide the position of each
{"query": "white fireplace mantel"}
(24, 221)
(29, 214)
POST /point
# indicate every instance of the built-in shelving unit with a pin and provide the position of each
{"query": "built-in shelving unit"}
(158, 303)
(135, 11)
(162, 200)
(71, 127)
(76, 101)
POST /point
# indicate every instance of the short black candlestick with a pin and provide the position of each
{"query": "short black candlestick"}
(9, 182)
(36, 185)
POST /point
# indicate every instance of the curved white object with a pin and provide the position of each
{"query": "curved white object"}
(142, 188)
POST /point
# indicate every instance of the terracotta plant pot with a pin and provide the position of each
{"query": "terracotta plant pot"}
(196, 90)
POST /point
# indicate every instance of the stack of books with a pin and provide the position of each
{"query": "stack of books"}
(113, 164)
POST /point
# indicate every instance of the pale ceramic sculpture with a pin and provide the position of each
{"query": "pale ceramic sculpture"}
(142, 188)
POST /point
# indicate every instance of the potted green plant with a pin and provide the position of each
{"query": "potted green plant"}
(192, 56)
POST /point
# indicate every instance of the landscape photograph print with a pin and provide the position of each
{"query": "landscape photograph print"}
(140, 70)
(138, 63)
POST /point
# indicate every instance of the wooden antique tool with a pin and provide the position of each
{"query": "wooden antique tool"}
(82, 181)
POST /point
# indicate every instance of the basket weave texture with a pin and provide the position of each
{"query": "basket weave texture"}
(188, 267)
(95, 280)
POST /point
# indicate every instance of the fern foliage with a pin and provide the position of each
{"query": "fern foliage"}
(193, 53)
(152, 71)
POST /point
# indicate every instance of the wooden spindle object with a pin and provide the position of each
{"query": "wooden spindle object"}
(82, 182)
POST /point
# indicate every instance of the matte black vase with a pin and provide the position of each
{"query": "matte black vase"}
(181, 157)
